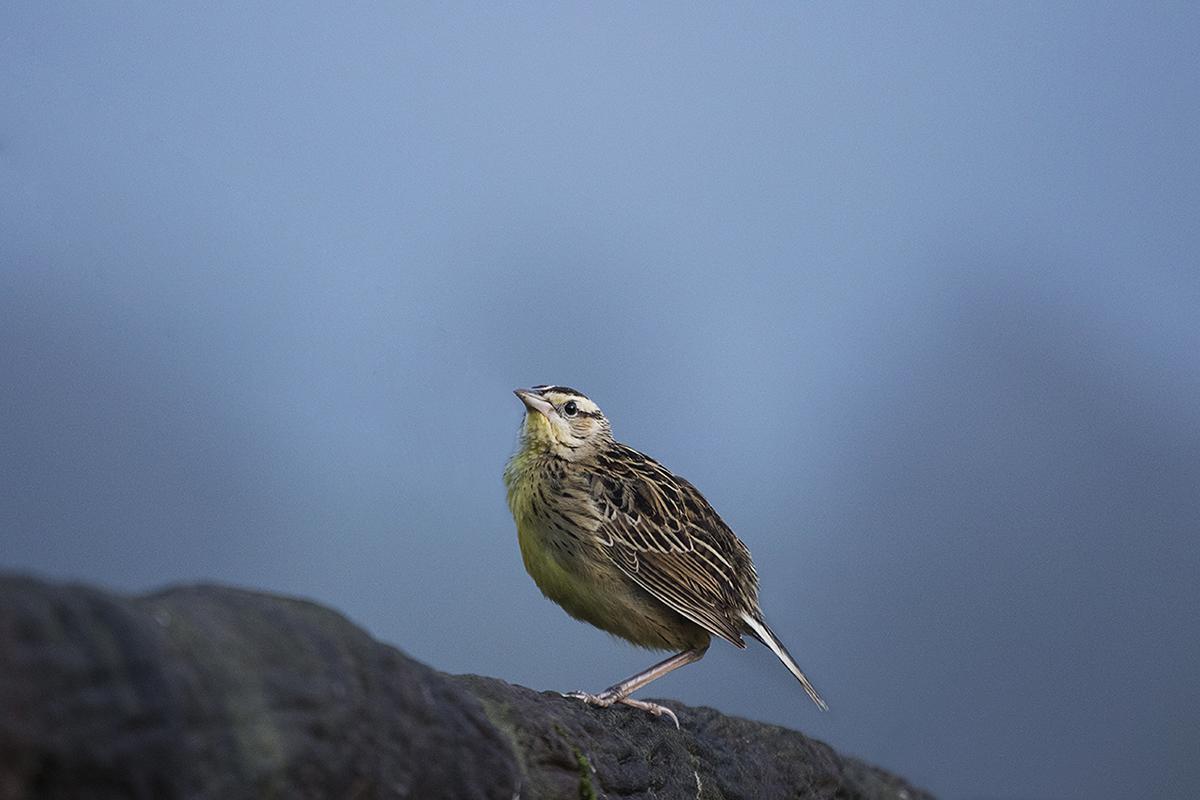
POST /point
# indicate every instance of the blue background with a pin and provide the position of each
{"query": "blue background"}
(911, 292)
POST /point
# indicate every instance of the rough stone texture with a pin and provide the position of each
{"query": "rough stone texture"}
(567, 751)
(212, 692)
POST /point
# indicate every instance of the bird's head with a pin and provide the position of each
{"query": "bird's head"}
(562, 421)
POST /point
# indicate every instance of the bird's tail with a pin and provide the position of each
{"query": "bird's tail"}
(767, 637)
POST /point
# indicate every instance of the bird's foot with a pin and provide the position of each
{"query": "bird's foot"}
(607, 699)
(653, 708)
(602, 700)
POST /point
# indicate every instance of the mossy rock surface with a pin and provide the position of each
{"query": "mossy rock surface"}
(214, 692)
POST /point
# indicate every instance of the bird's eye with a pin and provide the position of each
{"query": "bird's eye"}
(570, 409)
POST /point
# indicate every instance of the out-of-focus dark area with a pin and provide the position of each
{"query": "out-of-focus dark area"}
(910, 293)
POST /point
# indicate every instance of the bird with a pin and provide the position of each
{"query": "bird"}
(619, 541)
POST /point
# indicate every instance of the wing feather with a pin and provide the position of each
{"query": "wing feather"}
(662, 533)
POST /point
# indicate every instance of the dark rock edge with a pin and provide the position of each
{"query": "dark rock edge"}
(215, 692)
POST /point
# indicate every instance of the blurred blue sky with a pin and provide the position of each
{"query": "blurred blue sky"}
(911, 292)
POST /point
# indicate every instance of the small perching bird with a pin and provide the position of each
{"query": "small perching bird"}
(619, 541)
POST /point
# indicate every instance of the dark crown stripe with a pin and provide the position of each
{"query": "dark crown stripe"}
(560, 389)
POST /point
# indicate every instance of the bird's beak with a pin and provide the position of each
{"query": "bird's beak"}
(534, 401)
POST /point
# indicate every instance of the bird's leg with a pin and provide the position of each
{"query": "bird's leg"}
(619, 692)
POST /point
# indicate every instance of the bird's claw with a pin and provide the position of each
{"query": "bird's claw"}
(605, 700)
(653, 708)
(598, 700)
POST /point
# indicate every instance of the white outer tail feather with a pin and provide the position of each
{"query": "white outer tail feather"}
(768, 638)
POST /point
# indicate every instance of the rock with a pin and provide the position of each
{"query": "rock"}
(213, 692)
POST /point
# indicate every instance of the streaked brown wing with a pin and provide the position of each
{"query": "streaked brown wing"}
(665, 536)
